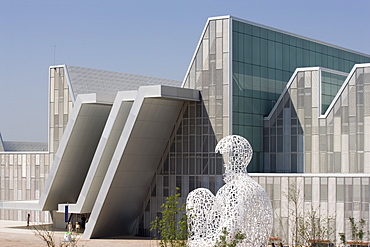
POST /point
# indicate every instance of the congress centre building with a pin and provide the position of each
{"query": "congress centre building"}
(119, 144)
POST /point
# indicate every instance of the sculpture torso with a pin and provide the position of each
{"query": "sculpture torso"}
(240, 206)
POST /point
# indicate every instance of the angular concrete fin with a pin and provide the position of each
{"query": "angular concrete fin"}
(145, 135)
(76, 150)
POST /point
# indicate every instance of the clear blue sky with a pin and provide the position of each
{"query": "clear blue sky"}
(155, 38)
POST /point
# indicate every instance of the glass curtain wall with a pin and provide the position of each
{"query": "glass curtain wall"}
(330, 85)
(190, 161)
(298, 139)
(263, 60)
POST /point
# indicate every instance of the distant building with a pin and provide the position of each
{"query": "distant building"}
(115, 154)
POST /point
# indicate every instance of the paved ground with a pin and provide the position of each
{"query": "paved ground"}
(16, 234)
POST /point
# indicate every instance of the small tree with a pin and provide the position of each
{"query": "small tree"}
(226, 240)
(314, 228)
(293, 195)
(342, 238)
(46, 235)
(308, 227)
(357, 231)
(172, 233)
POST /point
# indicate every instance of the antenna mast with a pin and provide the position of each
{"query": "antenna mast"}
(55, 49)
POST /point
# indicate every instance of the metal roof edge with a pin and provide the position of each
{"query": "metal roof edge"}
(299, 36)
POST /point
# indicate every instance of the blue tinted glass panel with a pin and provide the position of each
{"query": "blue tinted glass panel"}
(263, 62)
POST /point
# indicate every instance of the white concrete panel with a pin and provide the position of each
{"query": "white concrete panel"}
(99, 165)
(69, 168)
(316, 189)
(367, 134)
(367, 162)
(344, 162)
(315, 90)
(340, 220)
(128, 178)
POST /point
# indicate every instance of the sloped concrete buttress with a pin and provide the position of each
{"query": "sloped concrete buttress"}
(143, 140)
(76, 150)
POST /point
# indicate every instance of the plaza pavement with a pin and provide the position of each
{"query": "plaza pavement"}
(17, 234)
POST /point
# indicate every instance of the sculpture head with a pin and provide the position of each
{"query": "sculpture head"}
(239, 152)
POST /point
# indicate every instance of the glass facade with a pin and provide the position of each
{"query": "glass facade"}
(190, 161)
(299, 139)
(263, 60)
(241, 70)
(330, 85)
(189, 164)
(337, 197)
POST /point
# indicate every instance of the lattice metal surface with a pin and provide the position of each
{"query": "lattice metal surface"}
(240, 206)
(86, 80)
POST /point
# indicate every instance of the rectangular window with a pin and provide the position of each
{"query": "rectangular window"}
(248, 46)
(271, 54)
(279, 56)
(256, 51)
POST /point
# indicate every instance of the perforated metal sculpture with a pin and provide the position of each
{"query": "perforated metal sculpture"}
(241, 205)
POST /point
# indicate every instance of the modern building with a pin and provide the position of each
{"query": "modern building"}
(120, 144)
